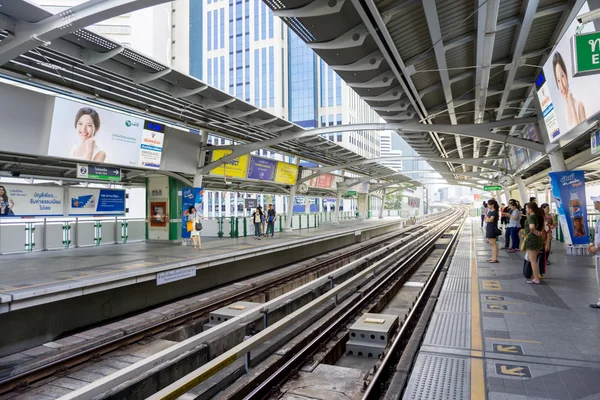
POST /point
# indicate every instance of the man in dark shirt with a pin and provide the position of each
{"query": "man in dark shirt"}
(271, 217)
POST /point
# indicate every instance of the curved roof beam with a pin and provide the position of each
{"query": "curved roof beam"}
(466, 161)
(479, 131)
(28, 36)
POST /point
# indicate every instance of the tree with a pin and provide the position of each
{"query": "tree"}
(394, 201)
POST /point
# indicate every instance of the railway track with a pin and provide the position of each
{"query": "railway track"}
(384, 272)
(27, 377)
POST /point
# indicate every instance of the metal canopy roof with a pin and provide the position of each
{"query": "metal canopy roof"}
(437, 61)
(98, 69)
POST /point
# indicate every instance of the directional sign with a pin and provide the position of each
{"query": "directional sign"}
(492, 188)
(508, 349)
(96, 172)
(496, 307)
(491, 285)
(494, 298)
(520, 371)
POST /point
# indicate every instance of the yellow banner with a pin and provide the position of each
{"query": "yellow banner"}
(286, 173)
(236, 168)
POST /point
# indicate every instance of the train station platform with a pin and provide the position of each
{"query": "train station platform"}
(494, 336)
(50, 293)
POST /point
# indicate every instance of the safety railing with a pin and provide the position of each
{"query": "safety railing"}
(233, 227)
(48, 234)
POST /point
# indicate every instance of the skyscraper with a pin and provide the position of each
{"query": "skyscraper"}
(241, 48)
(388, 150)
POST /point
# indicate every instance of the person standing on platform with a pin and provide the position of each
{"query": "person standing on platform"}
(491, 229)
(271, 217)
(595, 250)
(484, 211)
(195, 218)
(257, 218)
(514, 217)
(534, 241)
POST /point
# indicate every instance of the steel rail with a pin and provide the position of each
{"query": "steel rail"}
(135, 370)
(265, 388)
(35, 374)
(378, 383)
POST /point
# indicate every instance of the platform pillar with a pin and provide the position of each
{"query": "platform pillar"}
(557, 161)
(338, 203)
(382, 204)
(290, 209)
(506, 194)
(522, 190)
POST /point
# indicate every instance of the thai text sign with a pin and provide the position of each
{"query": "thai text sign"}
(286, 174)
(262, 169)
(587, 53)
(236, 168)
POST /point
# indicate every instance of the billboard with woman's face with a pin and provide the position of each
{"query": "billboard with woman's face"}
(574, 98)
(93, 134)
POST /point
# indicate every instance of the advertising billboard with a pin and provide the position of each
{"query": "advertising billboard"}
(286, 174)
(531, 134)
(325, 181)
(31, 201)
(96, 135)
(570, 94)
(262, 169)
(95, 201)
(568, 188)
(190, 197)
(236, 168)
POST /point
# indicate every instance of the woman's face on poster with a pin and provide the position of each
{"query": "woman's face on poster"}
(85, 127)
(562, 81)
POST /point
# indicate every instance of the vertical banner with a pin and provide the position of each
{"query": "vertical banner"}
(568, 189)
(190, 197)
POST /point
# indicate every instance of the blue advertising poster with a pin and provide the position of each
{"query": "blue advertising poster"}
(568, 188)
(190, 197)
(94, 201)
(262, 169)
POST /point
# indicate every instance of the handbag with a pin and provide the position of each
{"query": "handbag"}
(523, 244)
(189, 225)
(497, 231)
(527, 270)
(198, 225)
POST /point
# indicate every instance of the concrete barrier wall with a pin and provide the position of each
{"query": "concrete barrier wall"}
(45, 322)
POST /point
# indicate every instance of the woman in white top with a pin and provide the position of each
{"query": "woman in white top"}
(514, 224)
(87, 123)
(195, 217)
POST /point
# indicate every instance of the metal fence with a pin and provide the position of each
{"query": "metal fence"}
(48, 234)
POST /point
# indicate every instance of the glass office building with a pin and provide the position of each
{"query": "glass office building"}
(238, 46)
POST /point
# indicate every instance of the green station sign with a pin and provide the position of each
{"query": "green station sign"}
(587, 53)
(492, 188)
(350, 193)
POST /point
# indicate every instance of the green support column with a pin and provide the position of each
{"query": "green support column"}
(368, 206)
(308, 220)
(245, 225)
(175, 204)
(220, 222)
(280, 224)
(237, 227)
(231, 228)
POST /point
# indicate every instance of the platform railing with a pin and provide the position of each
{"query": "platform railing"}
(52, 233)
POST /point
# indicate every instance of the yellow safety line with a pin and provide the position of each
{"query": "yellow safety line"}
(515, 340)
(477, 372)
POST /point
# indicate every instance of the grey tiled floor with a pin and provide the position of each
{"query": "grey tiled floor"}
(552, 323)
(48, 267)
